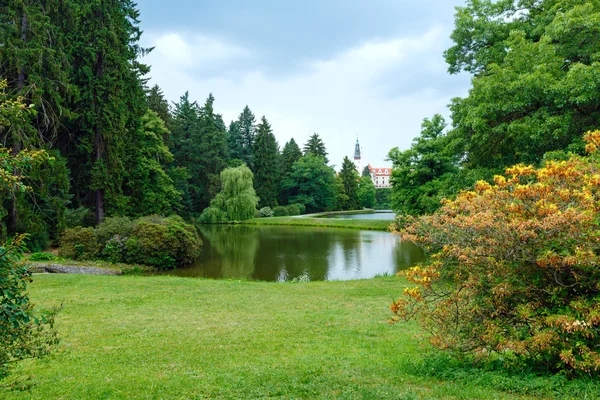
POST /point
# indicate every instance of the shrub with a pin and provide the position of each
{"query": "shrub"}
(163, 242)
(115, 249)
(515, 267)
(212, 215)
(301, 208)
(293, 209)
(280, 211)
(42, 256)
(22, 333)
(79, 244)
(265, 212)
(121, 226)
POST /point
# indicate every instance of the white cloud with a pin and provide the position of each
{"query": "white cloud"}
(341, 97)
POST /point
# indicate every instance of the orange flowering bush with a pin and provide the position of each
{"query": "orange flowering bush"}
(515, 266)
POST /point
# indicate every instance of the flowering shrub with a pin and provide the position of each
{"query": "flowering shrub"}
(515, 266)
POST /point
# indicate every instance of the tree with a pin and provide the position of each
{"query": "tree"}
(104, 39)
(247, 130)
(349, 178)
(234, 142)
(417, 172)
(366, 172)
(366, 193)
(312, 183)
(186, 152)
(536, 79)
(213, 152)
(148, 187)
(514, 267)
(157, 103)
(237, 200)
(316, 147)
(290, 154)
(266, 165)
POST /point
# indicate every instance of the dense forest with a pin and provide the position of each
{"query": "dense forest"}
(118, 148)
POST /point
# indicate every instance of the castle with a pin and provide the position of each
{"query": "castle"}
(379, 176)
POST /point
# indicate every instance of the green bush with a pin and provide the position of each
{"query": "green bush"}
(115, 249)
(79, 244)
(42, 256)
(111, 227)
(265, 212)
(293, 209)
(301, 208)
(280, 211)
(162, 242)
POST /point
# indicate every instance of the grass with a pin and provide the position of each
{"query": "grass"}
(178, 338)
(364, 224)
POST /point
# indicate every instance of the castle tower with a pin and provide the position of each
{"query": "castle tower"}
(357, 157)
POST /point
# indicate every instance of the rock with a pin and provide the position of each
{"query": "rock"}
(74, 269)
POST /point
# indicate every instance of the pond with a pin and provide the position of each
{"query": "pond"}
(379, 215)
(283, 253)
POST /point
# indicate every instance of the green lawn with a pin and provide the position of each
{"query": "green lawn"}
(179, 338)
(364, 224)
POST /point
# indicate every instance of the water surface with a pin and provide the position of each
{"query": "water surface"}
(281, 253)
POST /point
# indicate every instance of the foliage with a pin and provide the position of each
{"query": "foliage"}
(41, 256)
(419, 173)
(113, 226)
(382, 198)
(312, 183)
(241, 135)
(81, 216)
(349, 177)
(79, 244)
(515, 266)
(237, 200)
(537, 71)
(265, 212)
(163, 242)
(22, 334)
(266, 164)
(316, 147)
(366, 172)
(289, 155)
(157, 103)
(366, 192)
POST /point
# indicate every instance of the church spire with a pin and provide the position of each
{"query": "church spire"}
(357, 150)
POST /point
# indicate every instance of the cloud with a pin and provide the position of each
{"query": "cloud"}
(378, 90)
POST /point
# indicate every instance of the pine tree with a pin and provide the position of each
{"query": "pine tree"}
(316, 147)
(104, 40)
(349, 178)
(366, 172)
(266, 165)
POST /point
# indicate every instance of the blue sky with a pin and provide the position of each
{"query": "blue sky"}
(371, 69)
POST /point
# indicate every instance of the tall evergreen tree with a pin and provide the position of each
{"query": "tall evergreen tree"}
(234, 142)
(157, 103)
(213, 153)
(349, 177)
(105, 47)
(290, 154)
(266, 165)
(316, 147)
(247, 130)
(312, 183)
(186, 151)
(366, 172)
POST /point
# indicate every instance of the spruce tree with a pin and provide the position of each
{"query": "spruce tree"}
(186, 152)
(247, 126)
(157, 103)
(104, 40)
(366, 172)
(266, 165)
(213, 153)
(349, 178)
(234, 141)
(316, 147)
(290, 154)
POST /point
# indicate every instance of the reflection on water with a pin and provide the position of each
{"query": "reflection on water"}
(279, 253)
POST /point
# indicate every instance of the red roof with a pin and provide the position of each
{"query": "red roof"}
(380, 171)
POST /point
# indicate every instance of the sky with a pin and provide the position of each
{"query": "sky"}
(345, 69)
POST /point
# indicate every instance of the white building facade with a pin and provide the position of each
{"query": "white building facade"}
(380, 176)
